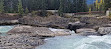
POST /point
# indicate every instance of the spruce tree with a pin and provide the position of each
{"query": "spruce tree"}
(26, 11)
(61, 8)
(84, 6)
(1, 6)
(10, 6)
(43, 7)
(20, 9)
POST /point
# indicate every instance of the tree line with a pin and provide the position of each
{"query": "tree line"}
(66, 6)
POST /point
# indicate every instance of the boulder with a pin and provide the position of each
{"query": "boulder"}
(76, 25)
(41, 31)
(86, 31)
(104, 30)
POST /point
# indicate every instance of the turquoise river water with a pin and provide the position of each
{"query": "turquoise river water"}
(78, 42)
(4, 29)
(71, 42)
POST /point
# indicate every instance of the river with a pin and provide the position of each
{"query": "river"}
(4, 29)
(77, 42)
(71, 42)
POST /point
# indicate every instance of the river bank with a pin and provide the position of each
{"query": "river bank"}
(29, 32)
(26, 37)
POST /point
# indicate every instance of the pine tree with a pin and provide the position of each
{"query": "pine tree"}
(26, 10)
(1, 6)
(20, 9)
(10, 6)
(85, 7)
(64, 6)
(44, 7)
(43, 4)
(61, 8)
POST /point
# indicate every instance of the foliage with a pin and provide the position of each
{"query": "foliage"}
(20, 9)
(1, 6)
(89, 11)
(26, 11)
(107, 4)
(99, 5)
(69, 6)
(11, 6)
(41, 13)
(72, 6)
(34, 12)
(61, 8)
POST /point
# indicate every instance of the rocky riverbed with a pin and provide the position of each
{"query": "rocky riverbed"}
(20, 41)
(28, 37)
(41, 31)
(30, 32)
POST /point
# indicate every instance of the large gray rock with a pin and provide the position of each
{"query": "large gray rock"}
(50, 21)
(86, 31)
(42, 31)
(104, 30)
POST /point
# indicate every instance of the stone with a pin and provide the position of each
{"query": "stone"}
(41, 31)
(86, 31)
(20, 41)
(76, 25)
(104, 30)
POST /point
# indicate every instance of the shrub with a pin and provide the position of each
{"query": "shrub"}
(41, 13)
(49, 13)
(34, 12)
